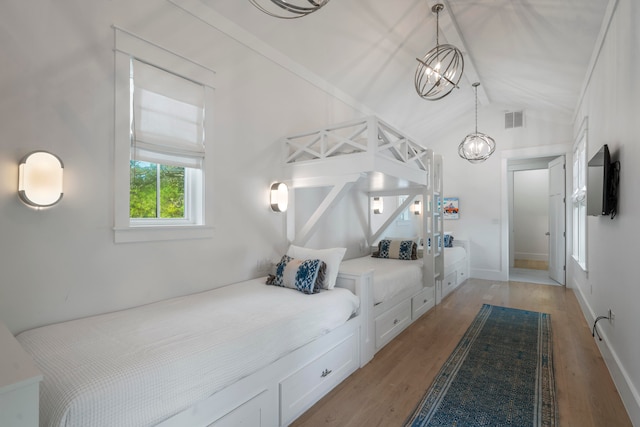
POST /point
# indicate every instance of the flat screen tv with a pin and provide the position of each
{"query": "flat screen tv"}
(601, 184)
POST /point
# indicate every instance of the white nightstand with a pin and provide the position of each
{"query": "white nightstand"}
(19, 384)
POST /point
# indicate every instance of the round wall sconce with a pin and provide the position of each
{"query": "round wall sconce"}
(416, 207)
(40, 179)
(377, 205)
(279, 198)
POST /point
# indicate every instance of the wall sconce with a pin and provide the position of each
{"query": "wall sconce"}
(279, 197)
(40, 179)
(416, 207)
(377, 205)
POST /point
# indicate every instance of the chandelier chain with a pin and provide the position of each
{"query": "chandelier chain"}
(437, 28)
(476, 90)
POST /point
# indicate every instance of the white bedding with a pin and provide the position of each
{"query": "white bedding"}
(138, 367)
(390, 277)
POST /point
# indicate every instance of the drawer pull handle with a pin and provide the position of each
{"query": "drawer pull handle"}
(326, 372)
(395, 321)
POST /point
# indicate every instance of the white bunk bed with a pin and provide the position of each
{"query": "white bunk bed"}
(371, 156)
(243, 354)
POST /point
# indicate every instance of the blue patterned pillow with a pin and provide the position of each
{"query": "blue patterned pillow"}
(305, 276)
(448, 241)
(397, 249)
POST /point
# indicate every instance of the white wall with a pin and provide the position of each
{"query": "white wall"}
(481, 188)
(409, 227)
(531, 214)
(611, 281)
(57, 94)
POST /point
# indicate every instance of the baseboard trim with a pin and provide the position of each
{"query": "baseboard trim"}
(626, 389)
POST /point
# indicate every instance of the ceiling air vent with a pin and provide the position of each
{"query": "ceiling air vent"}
(513, 119)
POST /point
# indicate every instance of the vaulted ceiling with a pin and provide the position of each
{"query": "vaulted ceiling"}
(530, 55)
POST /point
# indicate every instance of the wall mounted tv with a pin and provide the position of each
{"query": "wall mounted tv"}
(602, 183)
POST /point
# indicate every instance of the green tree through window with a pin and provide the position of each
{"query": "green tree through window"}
(147, 180)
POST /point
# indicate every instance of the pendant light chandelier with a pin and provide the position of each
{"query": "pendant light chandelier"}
(440, 69)
(476, 147)
(288, 9)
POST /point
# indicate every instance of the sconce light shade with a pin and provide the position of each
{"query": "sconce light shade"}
(377, 205)
(416, 207)
(279, 197)
(40, 179)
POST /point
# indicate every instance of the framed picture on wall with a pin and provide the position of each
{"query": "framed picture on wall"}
(451, 208)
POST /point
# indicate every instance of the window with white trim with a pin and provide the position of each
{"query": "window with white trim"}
(167, 145)
(163, 117)
(579, 198)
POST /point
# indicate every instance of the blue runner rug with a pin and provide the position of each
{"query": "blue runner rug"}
(500, 374)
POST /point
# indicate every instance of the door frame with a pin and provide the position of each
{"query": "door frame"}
(559, 274)
(506, 187)
(541, 163)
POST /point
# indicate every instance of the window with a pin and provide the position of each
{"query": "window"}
(167, 145)
(163, 116)
(579, 199)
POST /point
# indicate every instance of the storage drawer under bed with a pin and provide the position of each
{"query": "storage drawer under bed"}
(422, 302)
(449, 283)
(392, 322)
(305, 386)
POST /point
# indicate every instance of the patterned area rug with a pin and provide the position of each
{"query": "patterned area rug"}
(500, 374)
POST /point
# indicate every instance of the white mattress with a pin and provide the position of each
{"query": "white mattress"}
(390, 277)
(453, 255)
(138, 367)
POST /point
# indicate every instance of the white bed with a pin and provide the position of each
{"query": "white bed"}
(141, 366)
(456, 266)
(399, 294)
(370, 157)
(392, 276)
(399, 297)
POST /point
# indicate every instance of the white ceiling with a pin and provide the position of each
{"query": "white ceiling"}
(529, 55)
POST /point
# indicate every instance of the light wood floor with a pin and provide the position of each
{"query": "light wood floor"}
(385, 391)
(531, 264)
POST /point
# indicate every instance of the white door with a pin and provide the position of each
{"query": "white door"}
(557, 220)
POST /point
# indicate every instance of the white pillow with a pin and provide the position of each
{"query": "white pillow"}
(332, 257)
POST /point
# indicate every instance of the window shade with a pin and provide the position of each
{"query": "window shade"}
(168, 117)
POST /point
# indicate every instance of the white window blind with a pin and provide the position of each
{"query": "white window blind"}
(167, 123)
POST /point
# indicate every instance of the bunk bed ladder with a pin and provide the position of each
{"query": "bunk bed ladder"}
(433, 253)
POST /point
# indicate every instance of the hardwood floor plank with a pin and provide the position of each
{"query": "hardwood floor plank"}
(386, 390)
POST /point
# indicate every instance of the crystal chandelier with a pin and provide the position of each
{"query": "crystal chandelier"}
(476, 147)
(440, 69)
(288, 9)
